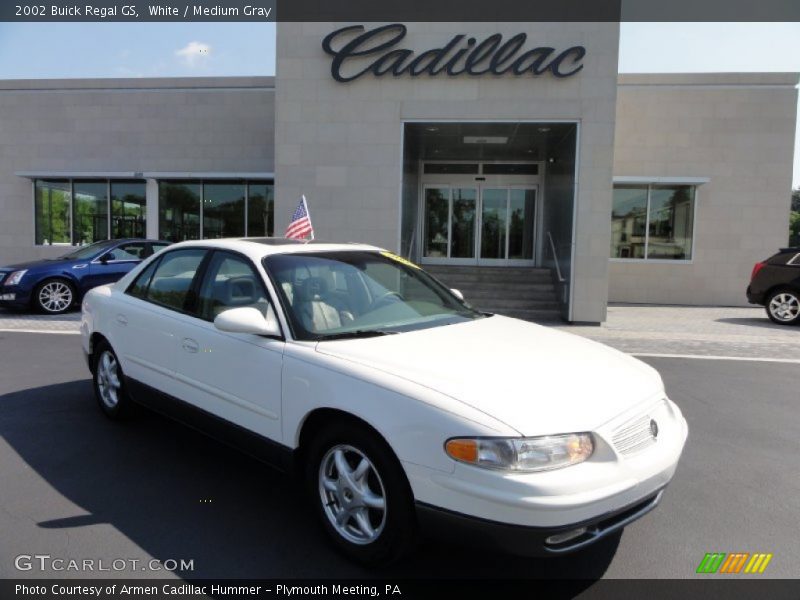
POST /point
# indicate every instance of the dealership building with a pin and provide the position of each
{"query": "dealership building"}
(509, 158)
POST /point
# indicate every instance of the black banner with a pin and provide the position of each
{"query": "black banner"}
(375, 11)
(714, 586)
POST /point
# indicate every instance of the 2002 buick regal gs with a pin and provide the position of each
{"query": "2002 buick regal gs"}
(405, 410)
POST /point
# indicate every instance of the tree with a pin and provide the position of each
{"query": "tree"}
(794, 219)
(794, 228)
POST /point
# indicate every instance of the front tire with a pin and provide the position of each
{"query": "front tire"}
(783, 307)
(109, 383)
(361, 494)
(54, 296)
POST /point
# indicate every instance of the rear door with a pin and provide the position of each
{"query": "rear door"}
(234, 376)
(147, 322)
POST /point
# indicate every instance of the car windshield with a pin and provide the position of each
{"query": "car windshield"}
(336, 295)
(86, 252)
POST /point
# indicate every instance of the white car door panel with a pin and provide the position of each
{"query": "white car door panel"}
(146, 323)
(146, 344)
(234, 376)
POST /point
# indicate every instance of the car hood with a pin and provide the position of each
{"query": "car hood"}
(47, 263)
(535, 379)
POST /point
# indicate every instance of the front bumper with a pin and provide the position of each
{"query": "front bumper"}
(603, 494)
(15, 295)
(528, 541)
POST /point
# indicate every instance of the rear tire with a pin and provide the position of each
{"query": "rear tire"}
(109, 383)
(54, 296)
(360, 494)
(783, 306)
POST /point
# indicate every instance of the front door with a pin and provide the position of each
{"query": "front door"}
(478, 224)
(236, 376)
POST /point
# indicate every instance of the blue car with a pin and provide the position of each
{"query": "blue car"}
(54, 285)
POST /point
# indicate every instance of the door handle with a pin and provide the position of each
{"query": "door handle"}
(122, 319)
(190, 345)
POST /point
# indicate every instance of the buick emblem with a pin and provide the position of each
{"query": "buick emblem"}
(653, 428)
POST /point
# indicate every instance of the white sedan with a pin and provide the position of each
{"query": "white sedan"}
(405, 410)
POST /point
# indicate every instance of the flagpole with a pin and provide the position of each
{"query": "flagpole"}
(308, 214)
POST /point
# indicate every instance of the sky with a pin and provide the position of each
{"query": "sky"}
(65, 50)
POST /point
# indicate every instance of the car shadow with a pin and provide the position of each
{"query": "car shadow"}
(178, 494)
(762, 322)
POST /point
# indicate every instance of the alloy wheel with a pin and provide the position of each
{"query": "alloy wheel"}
(352, 494)
(784, 306)
(55, 296)
(108, 382)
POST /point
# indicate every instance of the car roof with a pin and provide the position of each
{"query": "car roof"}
(126, 240)
(258, 248)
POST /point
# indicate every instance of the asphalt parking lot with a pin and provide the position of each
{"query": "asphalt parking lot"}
(75, 485)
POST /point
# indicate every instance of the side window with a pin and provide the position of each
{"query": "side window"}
(139, 287)
(133, 251)
(172, 280)
(231, 282)
(156, 247)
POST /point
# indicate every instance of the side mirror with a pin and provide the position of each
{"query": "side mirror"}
(106, 257)
(248, 320)
(457, 294)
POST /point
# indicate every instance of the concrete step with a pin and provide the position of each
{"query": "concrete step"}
(514, 302)
(521, 292)
(483, 293)
(537, 316)
(474, 268)
(496, 282)
(492, 276)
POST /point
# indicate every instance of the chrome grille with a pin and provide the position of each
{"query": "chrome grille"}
(634, 435)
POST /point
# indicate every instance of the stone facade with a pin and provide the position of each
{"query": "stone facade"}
(128, 126)
(738, 131)
(340, 144)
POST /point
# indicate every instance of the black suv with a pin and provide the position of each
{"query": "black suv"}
(775, 285)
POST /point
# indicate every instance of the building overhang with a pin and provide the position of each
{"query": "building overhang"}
(145, 175)
(663, 180)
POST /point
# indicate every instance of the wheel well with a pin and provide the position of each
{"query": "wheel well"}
(319, 418)
(94, 340)
(63, 278)
(782, 286)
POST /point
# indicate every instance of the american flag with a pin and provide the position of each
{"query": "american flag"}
(300, 225)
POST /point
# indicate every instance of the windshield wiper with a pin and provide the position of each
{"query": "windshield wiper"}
(357, 333)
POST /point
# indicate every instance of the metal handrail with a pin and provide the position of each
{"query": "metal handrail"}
(555, 258)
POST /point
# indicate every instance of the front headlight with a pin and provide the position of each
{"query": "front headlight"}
(522, 454)
(15, 277)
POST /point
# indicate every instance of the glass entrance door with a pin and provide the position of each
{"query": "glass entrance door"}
(491, 225)
(508, 216)
(449, 231)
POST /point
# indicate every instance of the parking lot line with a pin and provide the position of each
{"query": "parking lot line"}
(716, 357)
(47, 331)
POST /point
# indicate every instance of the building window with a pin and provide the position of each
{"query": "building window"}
(223, 209)
(190, 210)
(179, 210)
(76, 211)
(52, 202)
(128, 209)
(90, 212)
(652, 222)
(260, 208)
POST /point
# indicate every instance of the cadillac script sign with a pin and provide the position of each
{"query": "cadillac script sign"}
(358, 52)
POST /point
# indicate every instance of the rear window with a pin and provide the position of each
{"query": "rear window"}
(168, 281)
